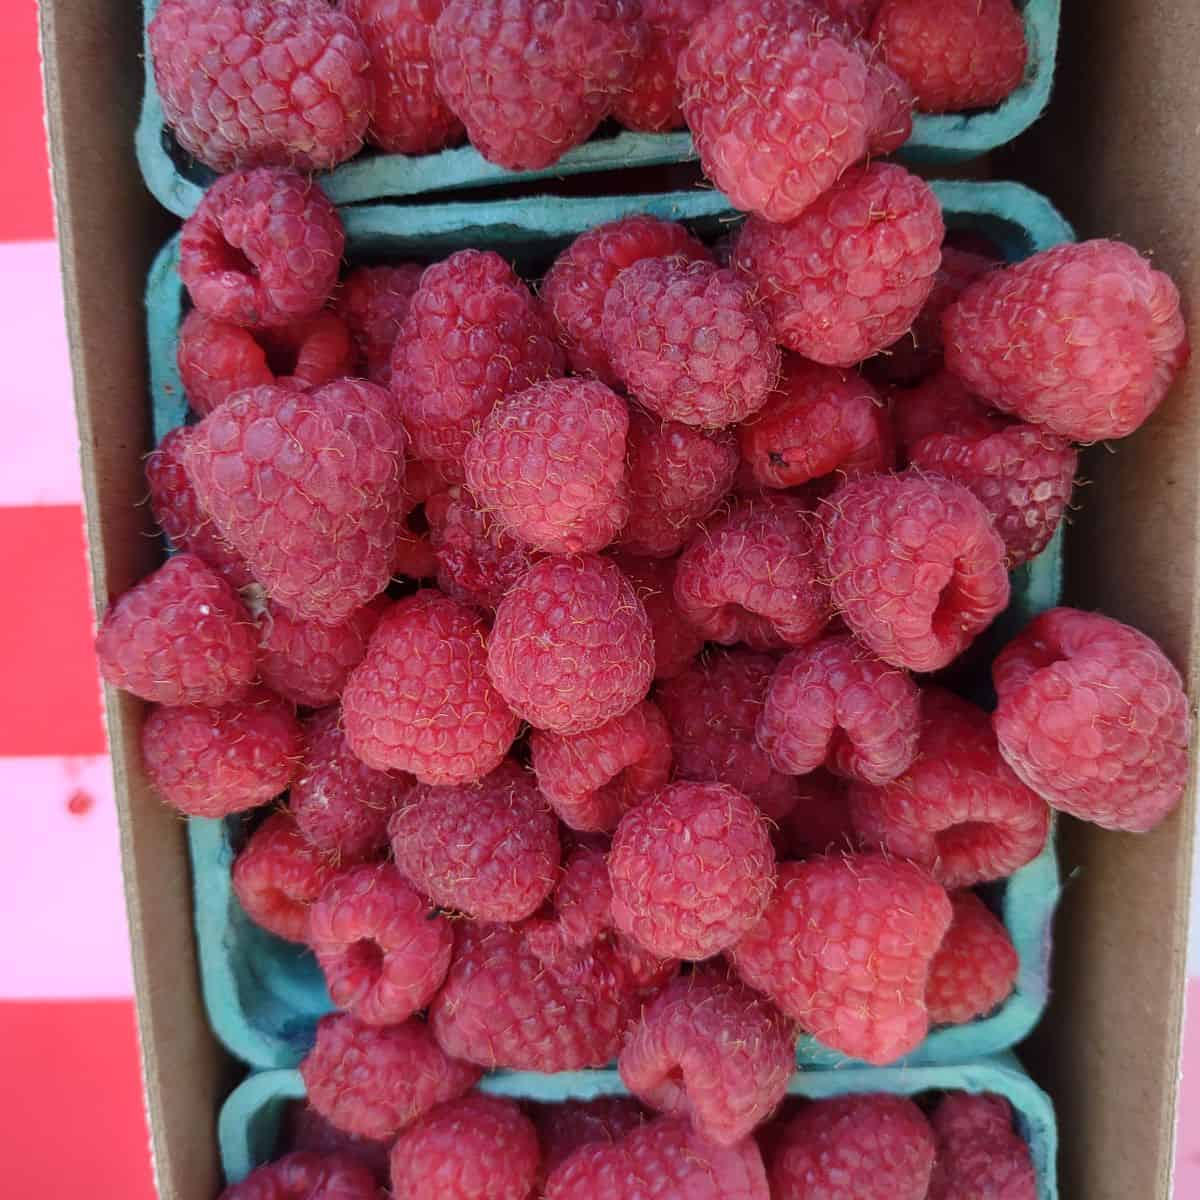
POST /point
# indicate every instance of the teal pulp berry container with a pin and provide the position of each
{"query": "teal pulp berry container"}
(264, 996)
(178, 181)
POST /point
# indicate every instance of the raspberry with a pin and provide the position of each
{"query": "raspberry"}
(373, 1081)
(844, 949)
(915, 568)
(501, 1006)
(1022, 475)
(304, 1175)
(549, 465)
(817, 421)
(1084, 339)
(413, 556)
(752, 576)
(530, 80)
(850, 274)
(975, 968)
(210, 762)
(340, 804)
(488, 849)
(410, 115)
(251, 83)
(869, 1147)
(978, 1153)
(384, 954)
(373, 301)
(262, 248)
(956, 55)
(676, 643)
(216, 359)
(305, 1129)
(835, 704)
(571, 646)
(708, 1048)
(308, 488)
(690, 341)
(477, 1148)
(420, 700)
(276, 877)
(1093, 717)
(473, 334)
(180, 636)
(819, 822)
(309, 353)
(857, 14)
(940, 404)
(958, 810)
(566, 1126)
(661, 1159)
(677, 477)
(691, 870)
(577, 283)
(581, 911)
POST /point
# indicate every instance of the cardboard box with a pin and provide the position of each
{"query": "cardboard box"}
(1118, 152)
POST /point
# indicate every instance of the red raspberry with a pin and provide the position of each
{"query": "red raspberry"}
(835, 704)
(869, 1147)
(819, 822)
(940, 404)
(309, 353)
(975, 968)
(383, 952)
(676, 643)
(577, 283)
(305, 1129)
(532, 79)
(210, 762)
(850, 274)
(1093, 717)
(304, 1175)
(250, 83)
(817, 421)
(410, 115)
(549, 465)
(373, 301)
(691, 870)
(421, 701)
(501, 1006)
(690, 341)
(568, 1125)
(844, 949)
(710, 1049)
(752, 576)
(571, 647)
(978, 1153)
(262, 248)
(413, 558)
(216, 359)
(373, 1081)
(308, 488)
(857, 14)
(1084, 339)
(473, 334)
(959, 810)
(180, 636)
(477, 1148)
(581, 911)
(277, 875)
(915, 568)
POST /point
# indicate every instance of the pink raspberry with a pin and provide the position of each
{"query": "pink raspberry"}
(577, 283)
(304, 1175)
(915, 568)
(844, 949)
(530, 80)
(413, 556)
(710, 1049)
(978, 1152)
(180, 636)
(1084, 339)
(850, 274)
(1093, 717)
(374, 1080)
(308, 488)
(421, 701)
(571, 646)
(216, 359)
(488, 849)
(975, 968)
(835, 704)
(210, 762)
(473, 334)
(819, 822)
(383, 952)
(250, 83)
(941, 405)
(692, 870)
(549, 465)
(580, 911)
(592, 778)
(305, 1129)
(262, 248)
(958, 810)
(277, 876)
(373, 302)
(566, 1126)
(870, 1147)
(690, 341)
(676, 643)
(753, 576)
